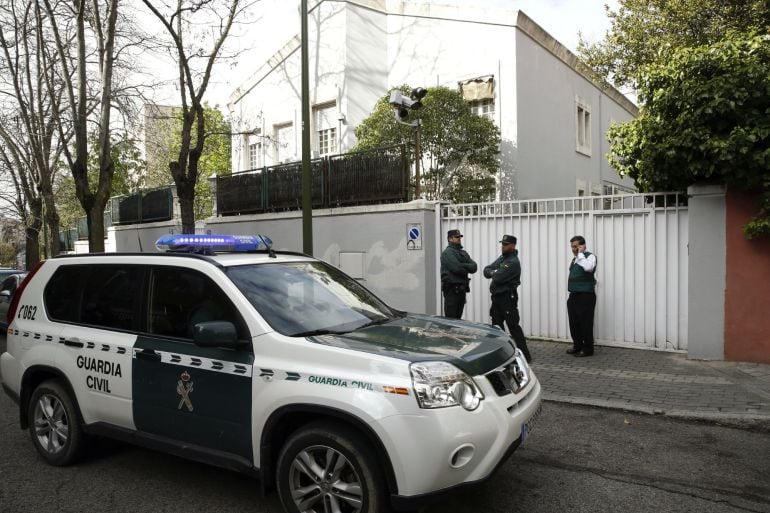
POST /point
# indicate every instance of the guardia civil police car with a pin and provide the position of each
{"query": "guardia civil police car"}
(270, 363)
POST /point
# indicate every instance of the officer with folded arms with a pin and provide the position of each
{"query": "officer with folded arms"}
(505, 273)
(456, 265)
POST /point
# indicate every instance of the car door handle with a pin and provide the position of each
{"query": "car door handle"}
(149, 355)
(73, 343)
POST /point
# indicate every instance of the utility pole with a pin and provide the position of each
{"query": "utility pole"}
(401, 107)
(417, 124)
(307, 178)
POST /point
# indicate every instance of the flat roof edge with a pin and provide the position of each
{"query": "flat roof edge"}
(537, 33)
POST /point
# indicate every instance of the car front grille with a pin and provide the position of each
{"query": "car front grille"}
(511, 377)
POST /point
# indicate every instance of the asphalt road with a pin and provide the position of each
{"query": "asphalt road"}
(578, 459)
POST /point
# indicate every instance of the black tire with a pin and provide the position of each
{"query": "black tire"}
(353, 463)
(54, 424)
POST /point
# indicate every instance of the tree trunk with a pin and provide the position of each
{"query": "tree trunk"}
(32, 233)
(52, 224)
(186, 195)
(96, 229)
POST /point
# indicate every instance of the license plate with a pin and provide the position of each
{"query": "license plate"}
(529, 425)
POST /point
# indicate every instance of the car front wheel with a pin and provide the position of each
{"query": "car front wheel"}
(53, 424)
(327, 467)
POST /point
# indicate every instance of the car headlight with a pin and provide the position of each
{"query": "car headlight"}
(441, 384)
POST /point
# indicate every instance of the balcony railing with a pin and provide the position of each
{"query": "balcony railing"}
(360, 178)
(145, 206)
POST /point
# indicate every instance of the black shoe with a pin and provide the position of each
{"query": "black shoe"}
(573, 351)
(581, 354)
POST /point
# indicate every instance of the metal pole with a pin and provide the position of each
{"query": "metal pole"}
(307, 194)
(417, 160)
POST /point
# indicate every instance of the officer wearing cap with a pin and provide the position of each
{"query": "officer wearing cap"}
(456, 265)
(505, 273)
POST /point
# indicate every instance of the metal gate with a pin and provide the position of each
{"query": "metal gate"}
(641, 244)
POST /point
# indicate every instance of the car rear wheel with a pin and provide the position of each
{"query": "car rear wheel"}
(327, 467)
(53, 424)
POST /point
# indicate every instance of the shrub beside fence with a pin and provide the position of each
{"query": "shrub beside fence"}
(360, 178)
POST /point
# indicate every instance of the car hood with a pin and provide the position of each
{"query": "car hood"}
(473, 348)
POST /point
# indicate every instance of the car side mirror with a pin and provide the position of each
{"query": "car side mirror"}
(215, 334)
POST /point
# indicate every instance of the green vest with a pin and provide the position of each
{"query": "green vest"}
(579, 280)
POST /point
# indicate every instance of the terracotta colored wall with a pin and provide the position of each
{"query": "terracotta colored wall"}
(747, 294)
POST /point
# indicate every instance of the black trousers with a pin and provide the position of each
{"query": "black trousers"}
(580, 308)
(454, 302)
(505, 308)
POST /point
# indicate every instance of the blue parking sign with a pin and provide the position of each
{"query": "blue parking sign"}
(414, 236)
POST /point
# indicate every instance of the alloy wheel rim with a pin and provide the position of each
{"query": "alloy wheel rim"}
(323, 480)
(51, 424)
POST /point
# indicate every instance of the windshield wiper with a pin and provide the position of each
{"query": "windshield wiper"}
(311, 333)
(383, 320)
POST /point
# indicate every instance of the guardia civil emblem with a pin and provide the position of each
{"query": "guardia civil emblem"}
(184, 388)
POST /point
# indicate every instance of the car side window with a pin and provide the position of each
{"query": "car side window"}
(111, 295)
(106, 296)
(9, 284)
(64, 291)
(181, 298)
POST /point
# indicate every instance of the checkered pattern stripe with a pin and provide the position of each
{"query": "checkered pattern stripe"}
(199, 362)
(271, 374)
(94, 346)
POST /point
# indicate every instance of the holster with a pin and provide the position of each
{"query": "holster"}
(455, 288)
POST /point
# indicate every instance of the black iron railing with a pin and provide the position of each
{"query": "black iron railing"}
(143, 207)
(67, 239)
(360, 178)
(82, 226)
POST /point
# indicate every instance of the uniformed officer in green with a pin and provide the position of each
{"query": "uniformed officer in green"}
(456, 265)
(505, 273)
(582, 298)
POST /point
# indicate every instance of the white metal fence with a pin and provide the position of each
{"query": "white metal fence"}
(641, 244)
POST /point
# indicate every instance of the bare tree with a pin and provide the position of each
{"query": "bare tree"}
(28, 203)
(102, 24)
(31, 145)
(177, 17)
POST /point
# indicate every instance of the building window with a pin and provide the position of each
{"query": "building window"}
(581, 186)
(613, 189)
(325, 117)
(583, 127)
(255, 155)
(284, 142)
(480, 94)
(484, 108)
(327, 141)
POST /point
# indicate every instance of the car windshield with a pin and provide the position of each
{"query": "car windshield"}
(308, 298)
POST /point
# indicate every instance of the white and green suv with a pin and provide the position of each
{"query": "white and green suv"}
(270, 363)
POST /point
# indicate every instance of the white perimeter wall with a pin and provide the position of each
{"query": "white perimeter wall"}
(642, 290)
(369, 243)
(642, 273)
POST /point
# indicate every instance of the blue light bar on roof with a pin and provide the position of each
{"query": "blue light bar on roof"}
(213, 242)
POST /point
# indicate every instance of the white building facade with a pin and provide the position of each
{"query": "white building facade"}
(553, 117)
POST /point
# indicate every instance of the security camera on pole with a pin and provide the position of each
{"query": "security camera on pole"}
(401, 106)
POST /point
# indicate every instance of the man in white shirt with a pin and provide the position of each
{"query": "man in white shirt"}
(582, 298)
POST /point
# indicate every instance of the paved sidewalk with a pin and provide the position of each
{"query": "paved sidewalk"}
(656, 382)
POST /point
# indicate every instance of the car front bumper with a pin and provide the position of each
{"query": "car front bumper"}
(443, 449)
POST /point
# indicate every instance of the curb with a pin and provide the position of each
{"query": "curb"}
(745, 421)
